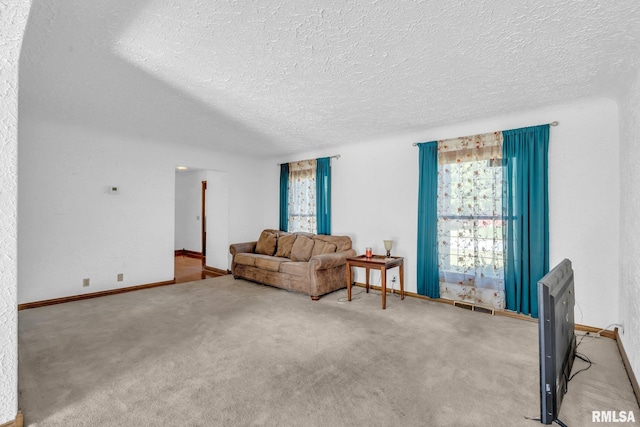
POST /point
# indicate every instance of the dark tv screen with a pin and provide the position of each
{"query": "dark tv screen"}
(556, 330)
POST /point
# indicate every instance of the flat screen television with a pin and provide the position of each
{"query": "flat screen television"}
(556, 331)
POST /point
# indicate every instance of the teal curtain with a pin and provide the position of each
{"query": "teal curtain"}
(323, 195)
(284, 196)
(525, 207)
(428, 283)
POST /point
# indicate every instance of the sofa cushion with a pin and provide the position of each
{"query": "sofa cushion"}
(266, 243)
(343, 243)
(302, 248)
(300, 269)
(245, 259)
(285, 243)
(270, 263)
(305, 234)
(322, 247)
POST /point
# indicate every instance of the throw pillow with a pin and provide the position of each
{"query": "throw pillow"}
(266, 243)
(322, 247)
(301, 250)
(285, 243)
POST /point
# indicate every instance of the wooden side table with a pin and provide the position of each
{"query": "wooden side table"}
(377, 262)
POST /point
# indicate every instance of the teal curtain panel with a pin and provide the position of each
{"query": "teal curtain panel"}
(428, 282)
(526, 215)
(284, 196)
(323, 195)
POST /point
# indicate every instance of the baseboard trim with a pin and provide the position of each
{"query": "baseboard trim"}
(18, 422)
(583, 328)
(603, 333)
(80, 297)
(188, 253)
(409, 294)
(217, 271)
(627, 367)
(450, 302)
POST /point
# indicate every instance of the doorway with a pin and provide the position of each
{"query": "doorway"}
(201, 224)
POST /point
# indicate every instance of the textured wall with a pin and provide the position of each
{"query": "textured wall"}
(13, 19)
(630, 222)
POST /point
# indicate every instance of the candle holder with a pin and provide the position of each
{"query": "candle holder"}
(368, 253)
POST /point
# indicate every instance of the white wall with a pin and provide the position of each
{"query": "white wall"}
(375, 186)
(13, 20)
(584, 199)
(218, 219)
(70, 228)
(629, 287)
(181, 211)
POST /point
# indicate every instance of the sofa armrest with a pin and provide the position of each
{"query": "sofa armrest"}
(246, 247)
(325, 261)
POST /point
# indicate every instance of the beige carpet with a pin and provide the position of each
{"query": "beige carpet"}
(221, 352)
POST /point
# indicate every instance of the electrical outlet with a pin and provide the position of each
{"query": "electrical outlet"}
(120, 277)
(85, 282)
(393, 284)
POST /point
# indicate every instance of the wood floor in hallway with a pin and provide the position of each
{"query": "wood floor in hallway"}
(189, 269)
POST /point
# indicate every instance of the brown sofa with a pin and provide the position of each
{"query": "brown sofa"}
(313, 264)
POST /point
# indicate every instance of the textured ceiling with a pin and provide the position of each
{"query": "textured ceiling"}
(278, 76)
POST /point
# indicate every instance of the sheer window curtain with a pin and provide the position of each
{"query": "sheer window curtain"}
(469, 205)
(302, 196)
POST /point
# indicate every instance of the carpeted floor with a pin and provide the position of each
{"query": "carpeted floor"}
(225, 352)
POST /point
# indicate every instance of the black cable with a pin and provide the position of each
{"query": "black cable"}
(584, 358)
(557, 421)
(346, 298)
(581, 338)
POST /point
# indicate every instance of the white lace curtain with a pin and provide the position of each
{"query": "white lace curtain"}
(302, 196)
(470, 246)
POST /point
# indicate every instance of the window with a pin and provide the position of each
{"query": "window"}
(305, 196)
(483, 230)
(470, 245)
